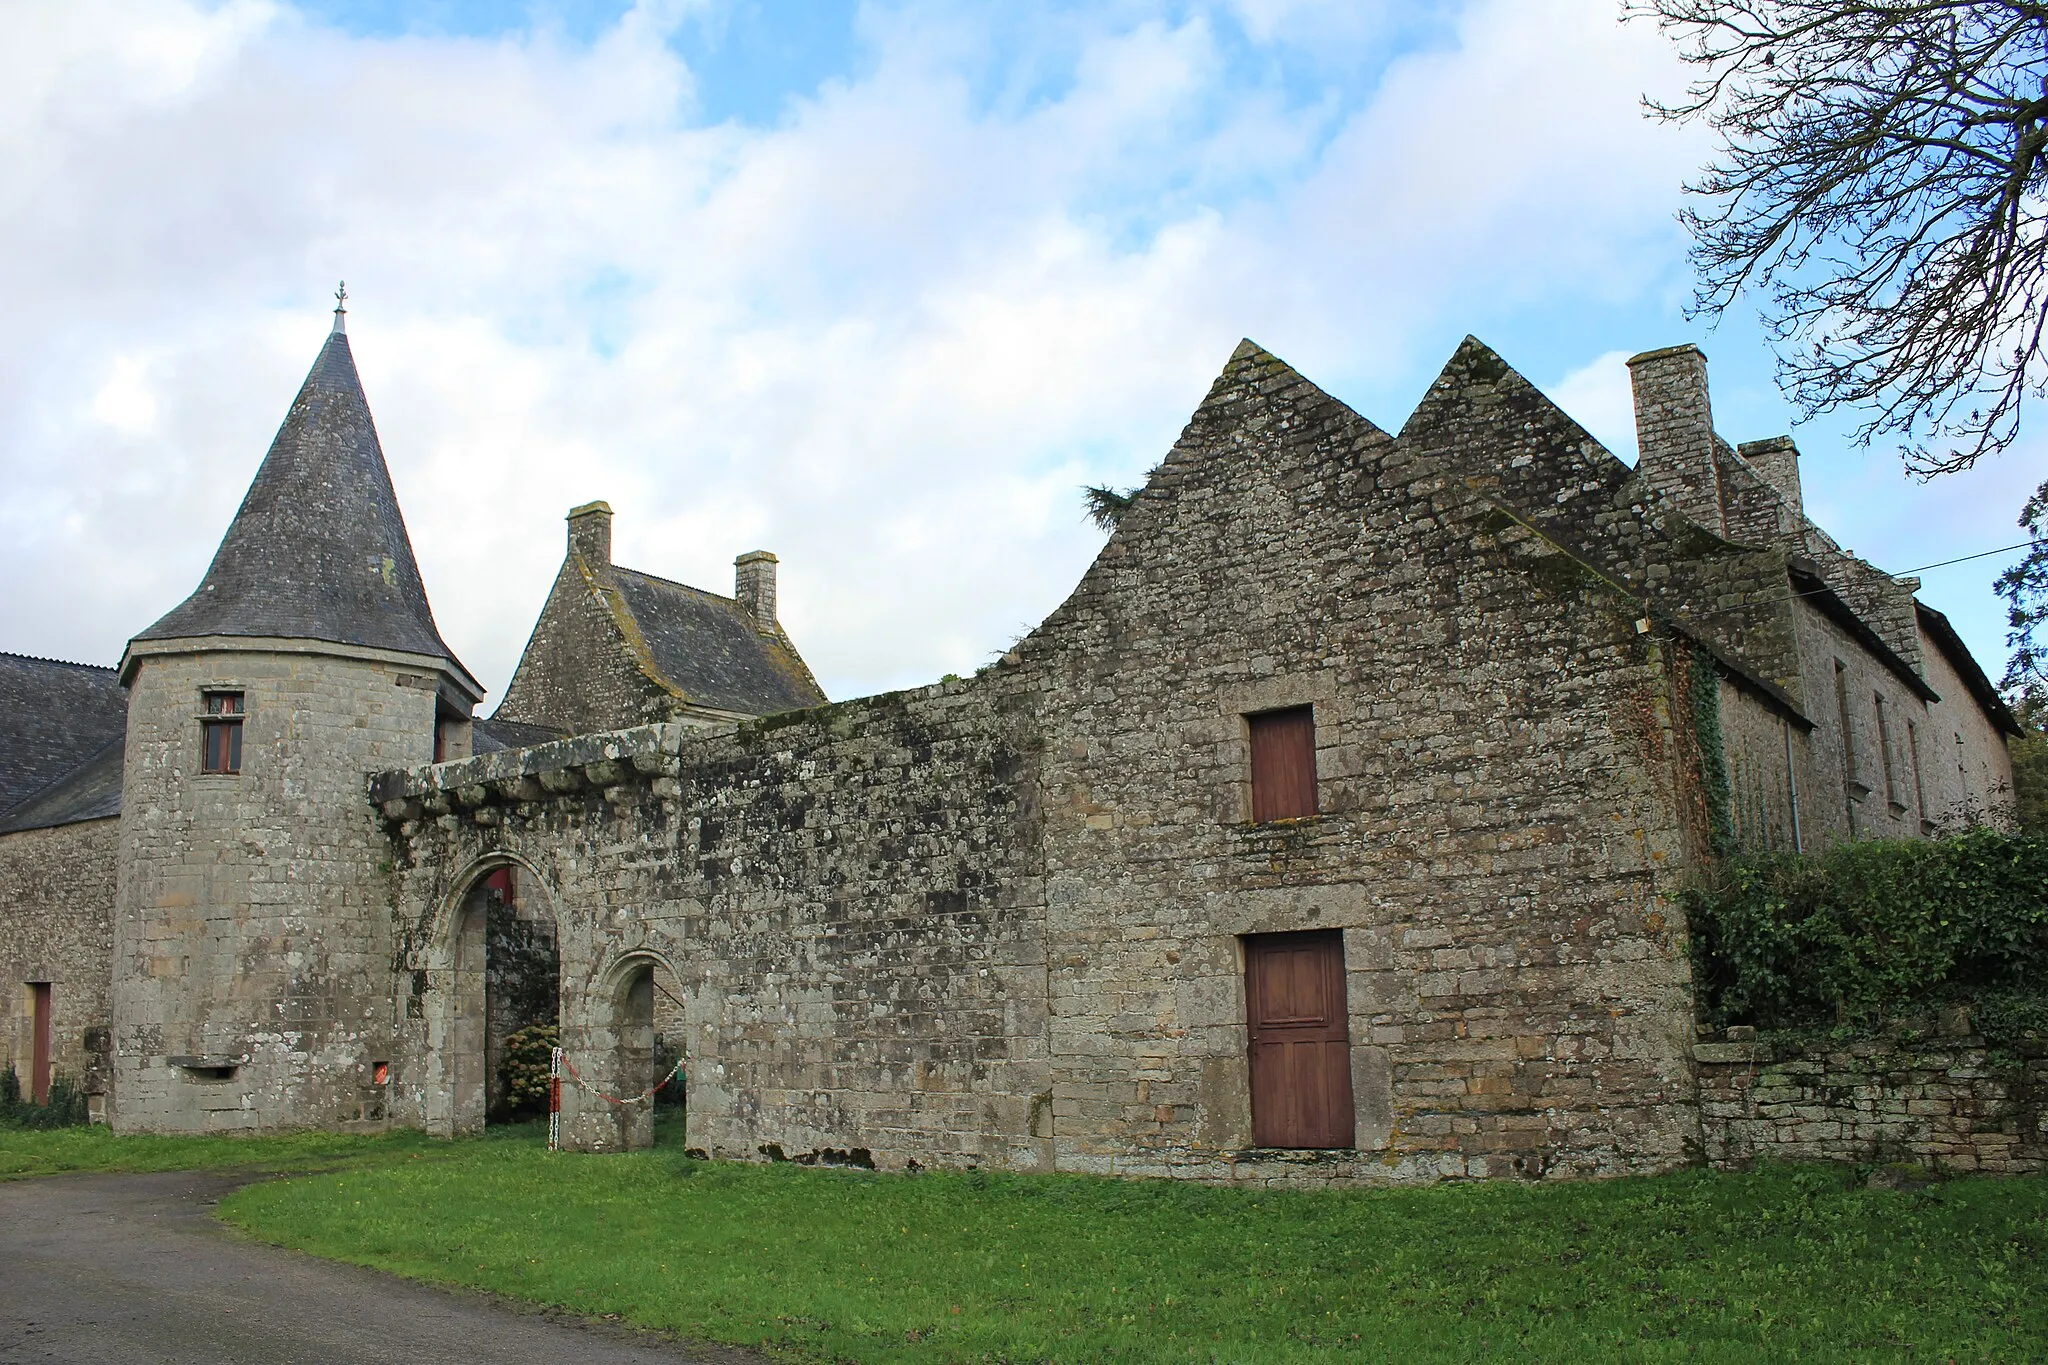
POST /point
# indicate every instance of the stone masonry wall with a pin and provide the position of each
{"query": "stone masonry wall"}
(1000, 921)
(1963, 766)
(252, 931)
(1769, 772)
(1950, 1104)
(578, 673)
(847, 901)
(58, 921)
(1866, 790)
(1497, 805)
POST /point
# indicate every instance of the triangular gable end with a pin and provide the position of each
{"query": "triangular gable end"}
(1256, 393)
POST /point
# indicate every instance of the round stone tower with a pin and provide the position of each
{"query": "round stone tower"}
(254, 977)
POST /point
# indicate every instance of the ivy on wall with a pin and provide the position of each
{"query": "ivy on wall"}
(1703, 688)
(1877, 931)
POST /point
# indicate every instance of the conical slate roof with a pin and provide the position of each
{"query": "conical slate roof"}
(318, 550)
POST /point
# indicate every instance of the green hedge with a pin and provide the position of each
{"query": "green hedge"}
(65, 1108)
(1878, 931)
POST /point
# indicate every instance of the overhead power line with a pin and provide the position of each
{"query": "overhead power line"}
(1964, 559)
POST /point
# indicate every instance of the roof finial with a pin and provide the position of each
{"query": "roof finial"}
(341, 308)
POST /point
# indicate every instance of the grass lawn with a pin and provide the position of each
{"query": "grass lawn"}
(60, 1151)
(1787, 1264)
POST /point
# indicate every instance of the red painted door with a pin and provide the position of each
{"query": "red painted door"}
(39, 1055)
(1300, 1040)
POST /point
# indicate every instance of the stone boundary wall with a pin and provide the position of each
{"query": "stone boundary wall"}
(846, 901)
(1952, 1104)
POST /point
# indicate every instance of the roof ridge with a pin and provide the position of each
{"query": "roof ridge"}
(677, 583)
(64, 663)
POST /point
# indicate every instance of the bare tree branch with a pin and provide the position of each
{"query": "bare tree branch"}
(1881, 181)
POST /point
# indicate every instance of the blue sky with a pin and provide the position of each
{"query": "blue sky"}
(876, 286)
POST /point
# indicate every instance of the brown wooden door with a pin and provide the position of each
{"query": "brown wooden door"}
(39, 1054)
(1300, 1040)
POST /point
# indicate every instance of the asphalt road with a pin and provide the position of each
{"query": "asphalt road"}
(135, 1268)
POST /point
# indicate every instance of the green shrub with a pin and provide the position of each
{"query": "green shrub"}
(65, 1107)
(523, 1070)
(1877, 931)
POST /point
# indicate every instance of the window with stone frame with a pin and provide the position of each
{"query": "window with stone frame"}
(1884, 754)
(1283, 745)
(220, 734)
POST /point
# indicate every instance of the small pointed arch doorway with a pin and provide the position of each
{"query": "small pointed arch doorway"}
(648, 1064)
(506, 1005)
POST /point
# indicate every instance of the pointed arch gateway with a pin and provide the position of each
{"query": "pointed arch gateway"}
(627, 1051)
(502, 1008)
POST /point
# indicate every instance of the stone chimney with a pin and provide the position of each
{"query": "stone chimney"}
(754, 587)
(1777, 459)
(1675, 432)
(590, 533)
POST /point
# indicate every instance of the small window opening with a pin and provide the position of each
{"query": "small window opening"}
(221, 733)
(380, 1073)
(1850, 775)
(208, 1067)
(451, 734)
(1884, 754)
(1792, 790)
(1913, 762)
(1283, 745)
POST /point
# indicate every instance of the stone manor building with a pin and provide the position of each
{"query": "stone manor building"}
(1328, 830)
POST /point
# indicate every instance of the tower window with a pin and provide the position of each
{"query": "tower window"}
(220, 733)
(1283, 764)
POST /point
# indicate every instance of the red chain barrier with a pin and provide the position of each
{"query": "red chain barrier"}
(641, 1098)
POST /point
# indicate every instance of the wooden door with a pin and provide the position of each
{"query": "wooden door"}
(1283, 764)
(1300, 1040)
(39, 1055)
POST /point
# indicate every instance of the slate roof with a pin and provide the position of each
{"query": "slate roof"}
(90, 791)
(707, 648)
(1943, 632)
(318, 550)
(56, 716)
(488, 736)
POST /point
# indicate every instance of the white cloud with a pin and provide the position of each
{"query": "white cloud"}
(886, 338)
(1598, 397)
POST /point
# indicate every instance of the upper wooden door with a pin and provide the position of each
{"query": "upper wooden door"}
(1283, 747)
(1300, 1040)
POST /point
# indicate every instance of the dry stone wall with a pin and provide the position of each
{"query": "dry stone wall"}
(1952, 1104)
